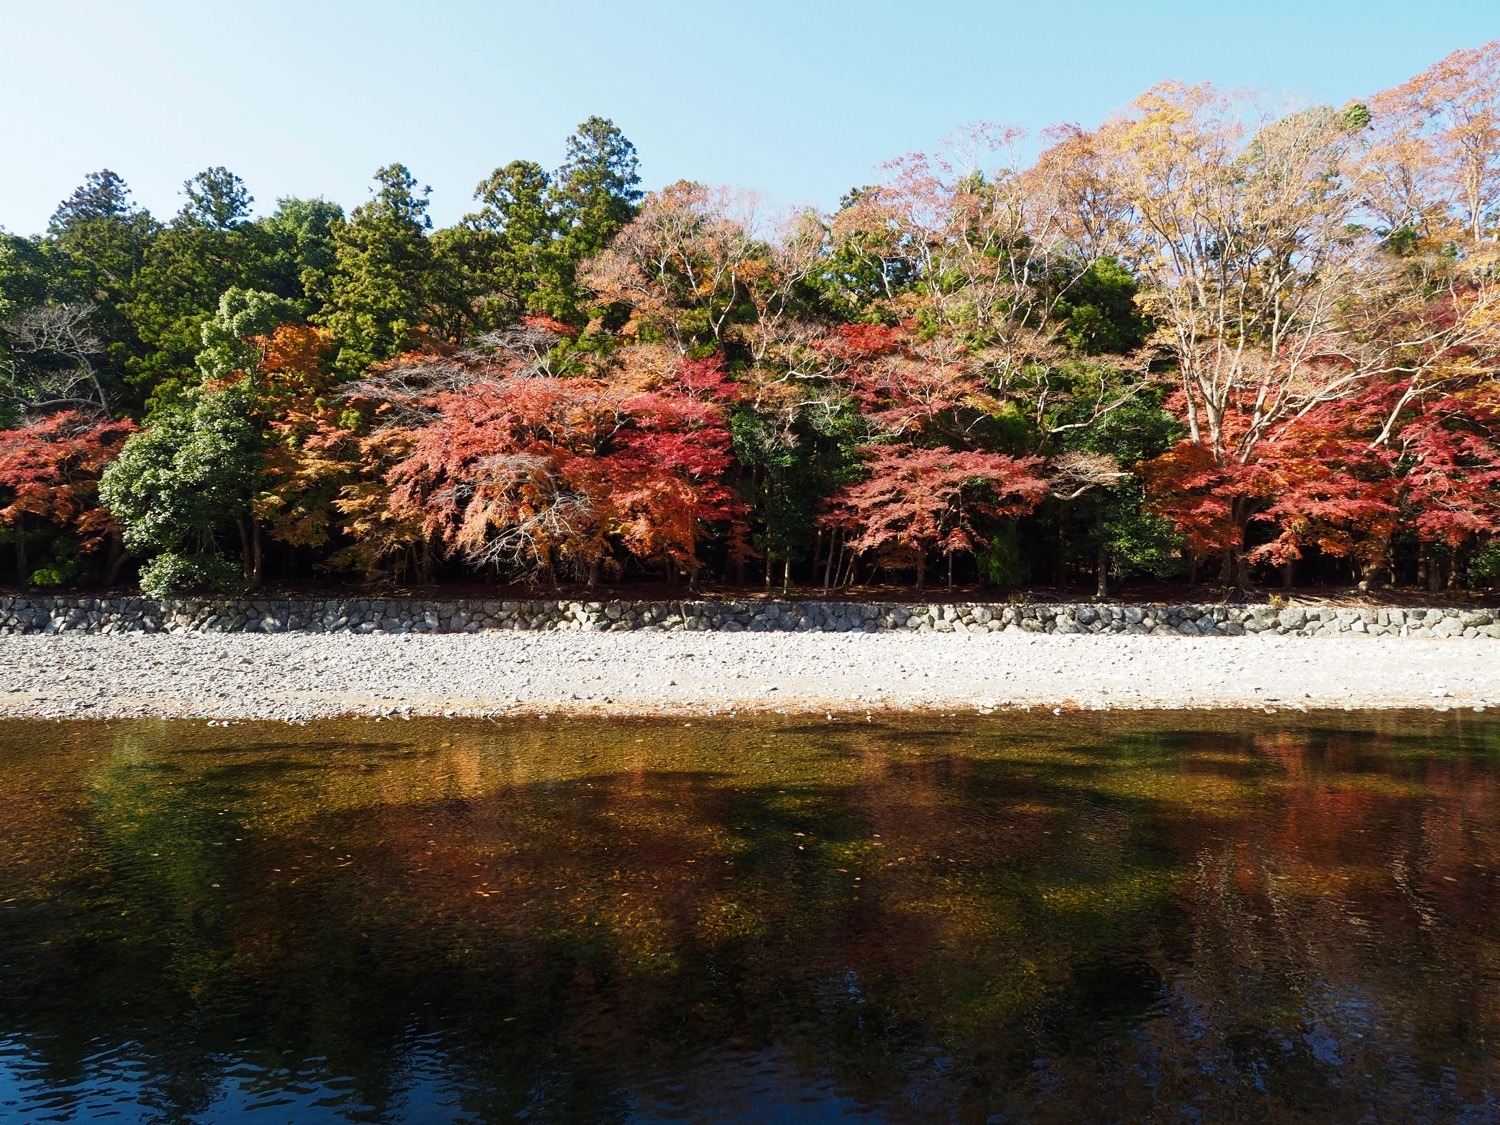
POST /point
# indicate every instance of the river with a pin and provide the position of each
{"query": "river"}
(1013, 918)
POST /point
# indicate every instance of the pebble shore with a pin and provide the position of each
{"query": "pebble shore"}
(294, 677)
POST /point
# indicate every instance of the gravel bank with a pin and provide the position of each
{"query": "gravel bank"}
(239, 676)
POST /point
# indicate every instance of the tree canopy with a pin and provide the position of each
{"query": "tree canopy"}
(1203, 340)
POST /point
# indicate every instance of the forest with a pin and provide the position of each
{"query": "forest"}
(1206, 342)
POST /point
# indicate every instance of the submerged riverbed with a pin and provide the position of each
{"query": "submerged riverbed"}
(1086, 917)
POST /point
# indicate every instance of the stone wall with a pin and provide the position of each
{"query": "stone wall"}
(66, 614)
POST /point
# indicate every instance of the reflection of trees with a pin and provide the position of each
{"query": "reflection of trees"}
(1342, 946)
(1002, 918)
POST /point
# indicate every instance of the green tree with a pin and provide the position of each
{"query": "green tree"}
(96, 245)
(302, 259)
(230, 338)
(505, 254)
(593, 196)
(185, 481)
(1099, 312)
(378, 297)
(1109, 525)
(216, 199)
(597, 189)
(209, 247)
(863, 269)
(23, 276)
(789, 471)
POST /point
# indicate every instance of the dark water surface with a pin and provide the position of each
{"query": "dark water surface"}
(1064, 919)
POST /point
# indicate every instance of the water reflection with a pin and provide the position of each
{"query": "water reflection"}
(1006, 919)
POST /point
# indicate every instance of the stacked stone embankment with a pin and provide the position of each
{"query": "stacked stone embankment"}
(34, 614)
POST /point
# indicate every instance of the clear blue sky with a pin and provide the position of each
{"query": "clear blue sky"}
(800, 98)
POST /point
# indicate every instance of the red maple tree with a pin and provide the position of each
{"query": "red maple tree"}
(548, 472)
(49, 470)
(916, 501)
(1450, 488)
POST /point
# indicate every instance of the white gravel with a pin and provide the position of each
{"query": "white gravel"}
(242, 676)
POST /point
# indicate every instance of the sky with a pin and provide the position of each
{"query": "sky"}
(801, 99)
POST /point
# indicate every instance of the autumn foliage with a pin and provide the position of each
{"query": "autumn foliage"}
(49, 471)
(918, 502)
(1203, 338)
(493, 461)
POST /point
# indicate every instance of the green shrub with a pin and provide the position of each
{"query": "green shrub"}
(1000, 559)
(1484, 568)
(170, 573)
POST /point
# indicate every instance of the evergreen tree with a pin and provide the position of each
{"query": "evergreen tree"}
(209, 247)
(96, 245)
(233, 338)
(597, 189)
(300, 236)
(593, 196)
(23, 277)
(378, 297)
(505, 255)
(182, 485)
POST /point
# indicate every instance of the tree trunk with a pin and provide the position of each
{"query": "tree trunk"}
(245, 552)
(594, 574)
(23, 570)
(921, 570)
(786, 574)
(117, 557)
(1288, 574)
(828, 562)
(950, 570)
(258, 552)
(1101, 558)
(1062, 555)
(1380, 569)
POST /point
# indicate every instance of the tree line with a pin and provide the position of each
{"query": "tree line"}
(1203, 341)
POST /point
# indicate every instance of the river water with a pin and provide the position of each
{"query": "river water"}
(1265, 918)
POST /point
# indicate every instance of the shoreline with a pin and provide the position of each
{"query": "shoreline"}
(299, 677)
(46, 614)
